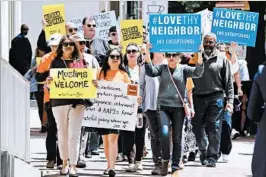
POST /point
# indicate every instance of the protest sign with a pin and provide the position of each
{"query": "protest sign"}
(54, 16)
(131, 31)
(235, 25)
(115, 107)
(72, 84)
(175, 32)
(206, 21)
(104, 21)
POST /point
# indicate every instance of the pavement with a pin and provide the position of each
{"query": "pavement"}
(239, 164)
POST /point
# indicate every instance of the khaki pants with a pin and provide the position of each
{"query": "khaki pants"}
(69, 121)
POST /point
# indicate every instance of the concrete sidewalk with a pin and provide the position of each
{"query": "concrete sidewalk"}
(238, 166)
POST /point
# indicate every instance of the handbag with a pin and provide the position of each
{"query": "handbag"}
(185, 105)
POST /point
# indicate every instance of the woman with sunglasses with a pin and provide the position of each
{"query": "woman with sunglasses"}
(112, 70)
(170, 107)
(68, 113)
(132, 61)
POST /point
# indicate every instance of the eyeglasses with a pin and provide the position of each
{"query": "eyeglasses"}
(82, 42)
(73, 29)
(91, 25)
(131, 51)
(113, 34)
(71, 44)
(114, 57)
(170, 55)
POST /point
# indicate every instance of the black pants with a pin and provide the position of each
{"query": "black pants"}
(209, 110)
(226, 142)
(176, 116)
(39, 98)
(51, 138)
(154, 127)
(134, 138)
(120, 143)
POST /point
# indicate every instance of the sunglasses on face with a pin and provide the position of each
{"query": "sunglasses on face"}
(71, 44)
(82, 42)
(91, 25)
(25, 29)
(170, 55)
(73, 29)
(113, 34)
(114, 57)
(131, 51)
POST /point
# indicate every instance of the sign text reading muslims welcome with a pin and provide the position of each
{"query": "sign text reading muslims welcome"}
(235, 25)
(175, 32)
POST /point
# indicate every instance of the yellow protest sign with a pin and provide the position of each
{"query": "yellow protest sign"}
(54, 16)
(131, 31)
(72, 83)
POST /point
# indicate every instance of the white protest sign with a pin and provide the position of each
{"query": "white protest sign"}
(115, 108)
(104, 22)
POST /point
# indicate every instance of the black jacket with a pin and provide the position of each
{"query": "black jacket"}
(20, 54)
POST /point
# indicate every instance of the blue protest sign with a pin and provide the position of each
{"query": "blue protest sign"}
(235, 25)
(175, 32)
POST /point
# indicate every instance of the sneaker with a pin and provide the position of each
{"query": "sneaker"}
(235, 134)
(64, 170)
(211, 163)
(111, 173)
(192, 156)
(50, 164)
(225, 158)
(73, 172)
(132, 168)
(203, 159)
(157, 169)
(106, 172)
(95, 152)
(164, 169)
(81, 164)
(88, 155)
(120, 157)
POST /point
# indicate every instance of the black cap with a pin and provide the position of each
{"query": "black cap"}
(112, 29)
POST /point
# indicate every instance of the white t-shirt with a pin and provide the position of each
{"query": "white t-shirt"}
(91, 61)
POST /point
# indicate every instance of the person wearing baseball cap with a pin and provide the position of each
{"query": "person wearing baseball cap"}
(113, 42)
(42, 72)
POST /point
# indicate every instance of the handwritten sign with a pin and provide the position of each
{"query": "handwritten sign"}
(72, 84)
(175, 32)
(115, 107)
(54, 15)
(235, 25)
(131, 31)
(104, 21)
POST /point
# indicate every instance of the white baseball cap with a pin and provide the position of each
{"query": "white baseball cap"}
(78, 37)
(55, 39)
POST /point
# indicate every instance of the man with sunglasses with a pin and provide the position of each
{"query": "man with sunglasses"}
(96, 46)
(71, 28)
(113, 42)
(208, 95)
(20, 53)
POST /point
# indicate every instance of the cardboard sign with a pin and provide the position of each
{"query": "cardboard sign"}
(115, 107)
(175, 32)
(54, 16)
(104, 21)
(72, 84)
(235, 25)
(131, 31)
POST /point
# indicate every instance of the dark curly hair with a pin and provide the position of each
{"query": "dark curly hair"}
(106, 66)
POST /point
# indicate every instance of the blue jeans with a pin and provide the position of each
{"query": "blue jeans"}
(207, 123)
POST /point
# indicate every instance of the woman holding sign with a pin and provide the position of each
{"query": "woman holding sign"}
(172, 103)
(112, 70)
(68, 113)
